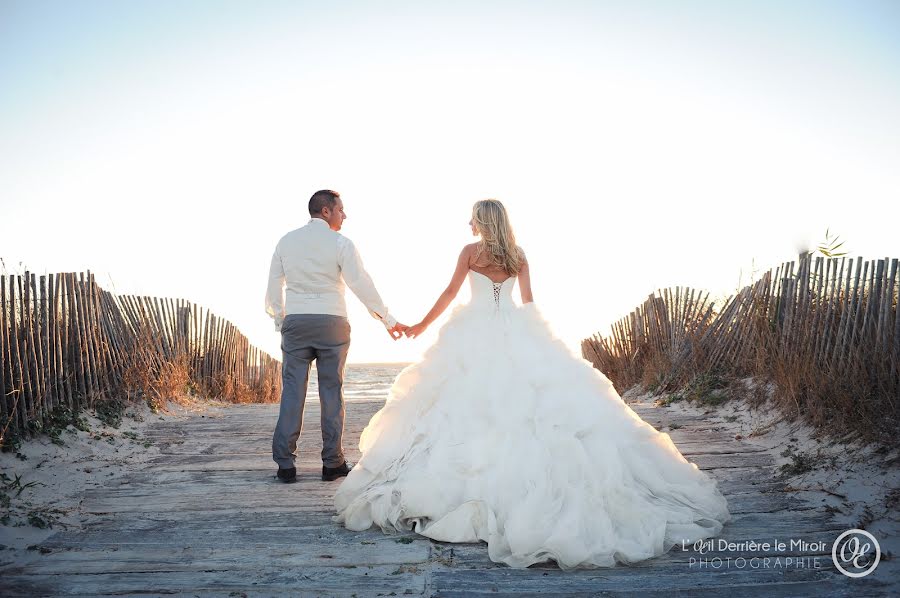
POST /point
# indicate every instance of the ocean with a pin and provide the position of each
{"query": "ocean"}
(362, 381)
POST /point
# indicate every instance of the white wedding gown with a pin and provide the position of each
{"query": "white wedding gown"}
(502, 434)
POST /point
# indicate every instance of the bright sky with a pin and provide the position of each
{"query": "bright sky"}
(167, 146)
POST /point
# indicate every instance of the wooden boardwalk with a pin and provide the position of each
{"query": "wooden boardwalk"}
(207, 517)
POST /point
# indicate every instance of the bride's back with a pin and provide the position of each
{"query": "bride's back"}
(481, 263)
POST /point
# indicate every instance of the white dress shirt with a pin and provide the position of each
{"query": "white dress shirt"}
(309, 268)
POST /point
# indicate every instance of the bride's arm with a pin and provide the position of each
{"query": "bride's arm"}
(447, 297)
(525, 285)
(525, 282)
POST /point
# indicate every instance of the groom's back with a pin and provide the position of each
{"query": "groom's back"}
(309, 256)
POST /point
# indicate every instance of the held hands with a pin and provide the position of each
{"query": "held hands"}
(397, 331)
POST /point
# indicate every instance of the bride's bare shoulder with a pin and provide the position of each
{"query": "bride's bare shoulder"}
(470, 249)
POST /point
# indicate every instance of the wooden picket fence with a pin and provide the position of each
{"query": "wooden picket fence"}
(65, 342)
(825, 330)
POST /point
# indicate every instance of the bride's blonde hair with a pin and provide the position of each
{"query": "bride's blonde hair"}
(497, 238)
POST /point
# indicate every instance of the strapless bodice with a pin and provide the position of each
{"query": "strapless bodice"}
(489, 294)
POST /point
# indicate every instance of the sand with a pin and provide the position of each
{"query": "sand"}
(860, 485)
(57, 476)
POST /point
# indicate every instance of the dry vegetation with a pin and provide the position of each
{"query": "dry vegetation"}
(826, 338)
(67, 345)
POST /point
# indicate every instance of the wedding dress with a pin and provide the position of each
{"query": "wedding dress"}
(501, 434)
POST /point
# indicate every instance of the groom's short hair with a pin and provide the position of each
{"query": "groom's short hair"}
(322, 198)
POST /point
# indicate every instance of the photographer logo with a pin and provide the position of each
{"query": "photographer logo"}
(851, 553)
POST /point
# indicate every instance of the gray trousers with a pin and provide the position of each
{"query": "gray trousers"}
(304, 338)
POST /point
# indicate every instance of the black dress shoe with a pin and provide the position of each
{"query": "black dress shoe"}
(332, 473)
(287, 475)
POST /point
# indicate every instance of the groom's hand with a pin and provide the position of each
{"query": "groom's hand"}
(397, 331)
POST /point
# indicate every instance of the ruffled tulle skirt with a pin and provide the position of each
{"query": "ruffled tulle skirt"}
(501, 434)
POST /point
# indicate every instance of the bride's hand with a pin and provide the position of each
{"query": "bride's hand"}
(414, 331)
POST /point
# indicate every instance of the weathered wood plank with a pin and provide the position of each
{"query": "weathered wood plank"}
(371, 545)
(834, 588)
(811, 544)
(262, 445)
(279, 499)
(217, 481)
(184, 554)
(551, 581)
(197, 524)
(184, 462)
(303, 581)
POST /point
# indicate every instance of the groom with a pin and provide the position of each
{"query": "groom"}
(306, 299)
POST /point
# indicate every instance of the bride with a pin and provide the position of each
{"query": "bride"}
(502, 434)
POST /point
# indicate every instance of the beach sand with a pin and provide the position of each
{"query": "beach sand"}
(56, 476)
(858, 484)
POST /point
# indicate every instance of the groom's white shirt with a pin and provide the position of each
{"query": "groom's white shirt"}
(309, 268)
